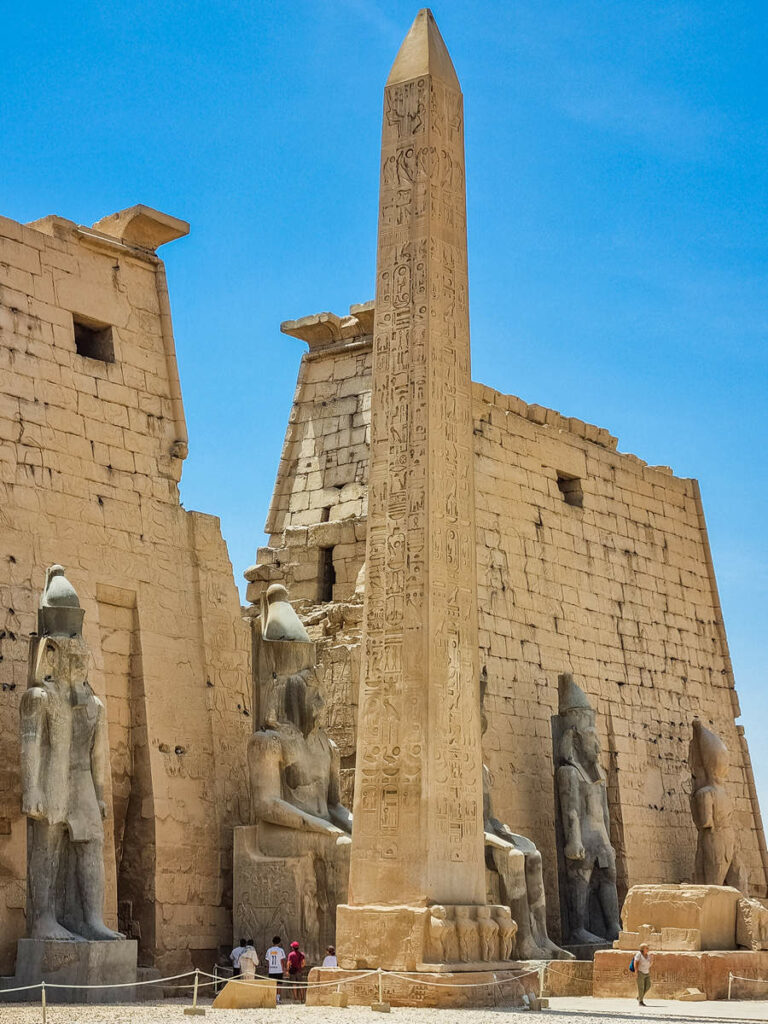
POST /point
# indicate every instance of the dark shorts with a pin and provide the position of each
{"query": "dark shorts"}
(276, 977)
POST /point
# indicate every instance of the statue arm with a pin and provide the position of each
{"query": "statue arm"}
(570, 810)
(32, 713)
(703, 807)
(265, 757)
(99, 758)
(340, 815)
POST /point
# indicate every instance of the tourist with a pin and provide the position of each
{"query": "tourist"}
(234, 956)
(275, 957)
(249, 960)
(330, 957)
(642, 964)
(296, 961)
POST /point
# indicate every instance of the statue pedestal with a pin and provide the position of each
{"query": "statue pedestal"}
(400, 939)
(469, 989)
(74, 963)
(288, 882)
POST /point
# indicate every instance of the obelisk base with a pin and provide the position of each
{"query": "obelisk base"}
(471, 989)
(439, 939)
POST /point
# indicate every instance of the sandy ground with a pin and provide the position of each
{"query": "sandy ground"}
(563, 1011)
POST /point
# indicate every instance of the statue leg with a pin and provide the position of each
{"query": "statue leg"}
(578, 905)
(510, 865)
(45, 845)
(90, 880)
(737, 875)
(537, 903)
(609, 901)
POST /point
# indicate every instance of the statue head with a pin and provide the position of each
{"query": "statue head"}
(61, 659)
(438, 911)
(580, 741)
(707, 756)
(483, 913)
(301, 702)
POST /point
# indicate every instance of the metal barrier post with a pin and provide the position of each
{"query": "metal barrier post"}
(730, 982)
(42, 998)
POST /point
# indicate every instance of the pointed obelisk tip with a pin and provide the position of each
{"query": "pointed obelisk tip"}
(423, 53)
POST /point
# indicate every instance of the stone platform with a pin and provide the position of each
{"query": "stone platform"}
(672, 972)
(568, 978)
(464, 989)
(586, 951)
(74, 963)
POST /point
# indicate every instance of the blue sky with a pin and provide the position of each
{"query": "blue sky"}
(616, 169)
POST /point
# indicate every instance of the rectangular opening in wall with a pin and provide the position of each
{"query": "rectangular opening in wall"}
(570, 488)
(327, 575)
(93, 339)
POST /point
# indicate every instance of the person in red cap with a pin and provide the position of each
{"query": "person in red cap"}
(296, 961)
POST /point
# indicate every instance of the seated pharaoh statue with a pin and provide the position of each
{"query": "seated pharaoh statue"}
(515, 866)
(591, 899)
(63, 771)
(718, 861)
(291, 864)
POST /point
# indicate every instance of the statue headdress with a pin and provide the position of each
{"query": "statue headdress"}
(59, 613)
(571, 696)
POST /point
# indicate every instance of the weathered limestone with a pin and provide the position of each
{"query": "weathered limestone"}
(418, 837)
(751, 924)
(674, 973)
(243, 994)
(515, 874)
(291, 865)
(63, 768)
(718, 860)
(678, 917)
(621, 589)
(590, 861)
(92, 445)
(75, 964)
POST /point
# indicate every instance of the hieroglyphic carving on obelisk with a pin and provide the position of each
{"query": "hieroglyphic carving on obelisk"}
(418, 813)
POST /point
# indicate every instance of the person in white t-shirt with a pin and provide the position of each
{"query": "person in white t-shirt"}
(249, 960)
(642, 960)
(330, 958)
(275, 957)
(234, 956)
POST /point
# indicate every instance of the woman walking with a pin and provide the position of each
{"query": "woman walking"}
(642, 965)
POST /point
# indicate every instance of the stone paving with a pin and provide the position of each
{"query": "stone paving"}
(563, 1011)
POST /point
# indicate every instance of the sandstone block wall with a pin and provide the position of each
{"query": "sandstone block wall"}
(90, 458)
(589, 560)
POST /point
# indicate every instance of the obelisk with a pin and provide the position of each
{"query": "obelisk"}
(418, 809)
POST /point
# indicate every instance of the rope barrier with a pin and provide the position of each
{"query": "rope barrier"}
(121, 984)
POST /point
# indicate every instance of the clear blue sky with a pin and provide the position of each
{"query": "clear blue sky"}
(616, 168)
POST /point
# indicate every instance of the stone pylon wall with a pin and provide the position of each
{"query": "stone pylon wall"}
(90, 457)
(619, 589)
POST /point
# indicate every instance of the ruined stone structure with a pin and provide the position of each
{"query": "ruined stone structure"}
(589, 561)
(92, 442)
